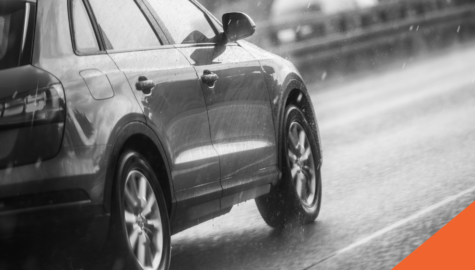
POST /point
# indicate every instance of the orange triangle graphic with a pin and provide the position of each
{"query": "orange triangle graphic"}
(453, 247)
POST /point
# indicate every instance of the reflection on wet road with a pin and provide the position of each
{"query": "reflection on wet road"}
(398, 165)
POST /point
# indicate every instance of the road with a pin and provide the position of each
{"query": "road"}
(399, 155)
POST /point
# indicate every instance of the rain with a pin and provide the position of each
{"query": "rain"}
(232, 134)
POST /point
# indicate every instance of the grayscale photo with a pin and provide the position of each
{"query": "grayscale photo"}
(232, 134)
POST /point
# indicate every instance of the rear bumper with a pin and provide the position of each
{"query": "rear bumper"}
(55, 205)
(81, 169)
(68, 219)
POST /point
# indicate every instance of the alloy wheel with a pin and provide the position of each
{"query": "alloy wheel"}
(301, 164)
(143, 220)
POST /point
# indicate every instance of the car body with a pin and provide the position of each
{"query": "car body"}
(81, 95)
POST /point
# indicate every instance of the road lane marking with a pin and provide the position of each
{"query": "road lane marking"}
(395, 225)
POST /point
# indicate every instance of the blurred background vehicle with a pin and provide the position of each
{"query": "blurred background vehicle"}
(282, 8)
(338, 38)
(287, 10)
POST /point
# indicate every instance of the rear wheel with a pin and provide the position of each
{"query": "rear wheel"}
(140, 215)
(298, 195)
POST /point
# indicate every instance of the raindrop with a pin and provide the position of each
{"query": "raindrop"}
(299, 98)
(309, 4)
(9, 167)
(410, 28)
(38, 163)
(404, 65)
(324, 76)
(417, 29)
(14, 94)
(458, 29)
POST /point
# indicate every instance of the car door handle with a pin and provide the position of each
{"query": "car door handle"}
(209, 78)
(145, 85)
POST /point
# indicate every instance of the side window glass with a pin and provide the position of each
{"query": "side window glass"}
(123, 24)
(84, 36)
(185, 22)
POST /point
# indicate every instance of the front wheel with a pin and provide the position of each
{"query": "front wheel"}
(298, 195)
(140, 215)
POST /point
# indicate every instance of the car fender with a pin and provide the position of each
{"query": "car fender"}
(282, 77)
(118, 141)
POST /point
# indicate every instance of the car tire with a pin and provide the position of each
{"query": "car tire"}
(140, 223)
(298, 195)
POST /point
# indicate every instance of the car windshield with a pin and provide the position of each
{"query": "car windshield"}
(12, 20)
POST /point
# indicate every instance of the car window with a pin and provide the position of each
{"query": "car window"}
(84, 36)
(185, 21)
(11, 33)
(124, 25)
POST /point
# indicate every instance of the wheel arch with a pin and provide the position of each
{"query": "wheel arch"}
(296, 93)
(139, 137)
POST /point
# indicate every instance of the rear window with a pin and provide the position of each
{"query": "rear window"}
(16, 19)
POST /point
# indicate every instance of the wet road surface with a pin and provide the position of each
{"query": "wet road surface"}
(399, 155)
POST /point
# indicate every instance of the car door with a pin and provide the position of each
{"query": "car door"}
(168, 90)
(242, 128)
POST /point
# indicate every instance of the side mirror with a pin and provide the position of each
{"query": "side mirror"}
(238, 26)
